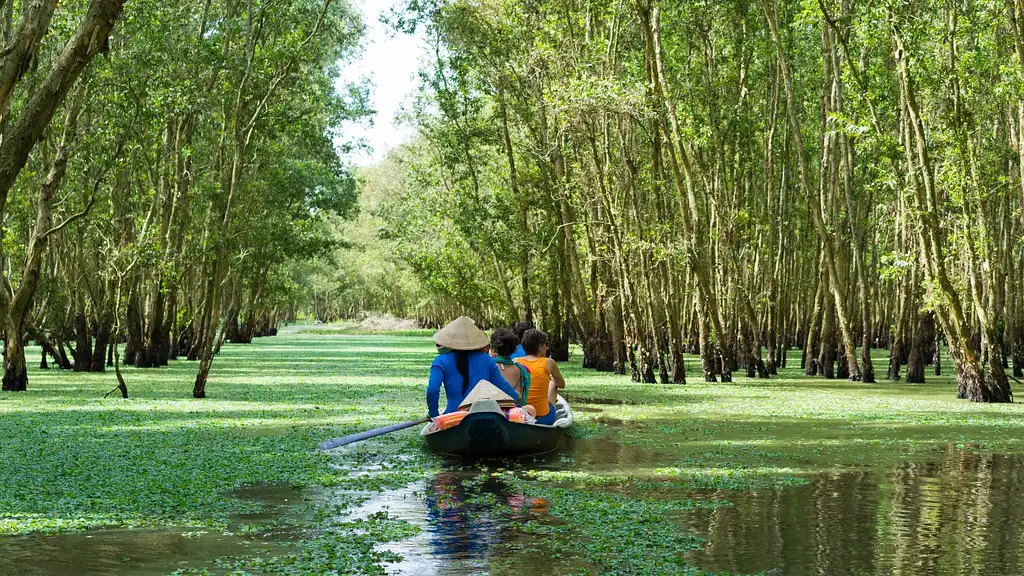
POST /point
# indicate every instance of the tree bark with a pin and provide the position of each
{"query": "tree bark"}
(89, 39)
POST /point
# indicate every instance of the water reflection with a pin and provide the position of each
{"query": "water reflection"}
(103, 552)
(960, 515)
(468, 520)
(465, 519)
(957, 515)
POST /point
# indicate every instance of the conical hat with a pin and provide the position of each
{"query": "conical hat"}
(461, 334)
(484, 390)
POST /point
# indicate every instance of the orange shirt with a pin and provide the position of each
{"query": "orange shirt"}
(539, 378)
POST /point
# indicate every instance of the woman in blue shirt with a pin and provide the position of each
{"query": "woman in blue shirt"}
(460, 364)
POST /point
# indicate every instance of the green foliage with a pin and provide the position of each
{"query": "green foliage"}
(641, 461)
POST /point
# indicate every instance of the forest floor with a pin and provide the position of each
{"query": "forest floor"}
(794, 474)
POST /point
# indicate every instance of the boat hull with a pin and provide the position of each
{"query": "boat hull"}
(489, 433)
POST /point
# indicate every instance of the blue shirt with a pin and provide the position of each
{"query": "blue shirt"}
(443, 372)
(519, 353)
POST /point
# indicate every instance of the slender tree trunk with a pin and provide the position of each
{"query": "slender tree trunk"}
(88, 39)
(683, 178)
(812, 347)
(970, 379)
(828, 246)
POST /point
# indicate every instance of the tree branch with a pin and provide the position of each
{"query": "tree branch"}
(77, 215)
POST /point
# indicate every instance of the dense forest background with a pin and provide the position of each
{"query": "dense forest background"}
(734, 179)
(164, 166)
(644, 179)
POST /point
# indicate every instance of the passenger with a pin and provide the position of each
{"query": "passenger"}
(542, 370)
(519, 330)
(460, 364)
(503, 345)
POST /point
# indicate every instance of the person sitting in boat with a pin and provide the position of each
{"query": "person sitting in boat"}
(543, 370)
(460, 364)
(503, 345)
(519, 330)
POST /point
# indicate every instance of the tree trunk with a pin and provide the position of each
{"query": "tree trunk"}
(99, 352)
(15, 371)
(83, 344)
(89, 39)
(920, 349)
(827, 357)
(811, 193)
(17, 309)
(683, 178)
(970, 380)
(812, 347)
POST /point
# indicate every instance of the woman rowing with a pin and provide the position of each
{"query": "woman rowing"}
(460, 364)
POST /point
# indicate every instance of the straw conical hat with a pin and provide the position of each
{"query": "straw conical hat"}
(484, 390)
(461, 334)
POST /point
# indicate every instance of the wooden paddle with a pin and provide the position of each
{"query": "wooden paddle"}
(353, 438)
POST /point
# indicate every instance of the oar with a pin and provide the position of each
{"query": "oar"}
(352, 438)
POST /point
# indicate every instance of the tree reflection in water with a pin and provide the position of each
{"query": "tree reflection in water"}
(961, 515)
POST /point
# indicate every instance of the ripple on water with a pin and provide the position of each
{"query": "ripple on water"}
(468, 522)
(138, 552)
(957, 515)
(960, 515)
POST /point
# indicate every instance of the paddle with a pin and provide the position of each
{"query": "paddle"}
(353, 438)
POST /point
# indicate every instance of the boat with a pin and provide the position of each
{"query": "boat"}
(486, 431)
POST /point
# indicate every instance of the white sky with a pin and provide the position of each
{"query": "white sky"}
(390, 61)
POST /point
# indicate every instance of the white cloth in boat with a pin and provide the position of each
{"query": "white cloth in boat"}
(484, 390)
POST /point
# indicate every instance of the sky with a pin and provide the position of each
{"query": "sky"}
(390, 61)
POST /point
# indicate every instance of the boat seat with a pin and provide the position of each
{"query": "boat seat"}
(563, 414)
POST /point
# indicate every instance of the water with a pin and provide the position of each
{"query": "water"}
(960, 513)
(153, 551)
(108, 552)
(462, 532)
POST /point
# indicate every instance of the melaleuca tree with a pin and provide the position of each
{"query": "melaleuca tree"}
(733, 178)
(192, 164)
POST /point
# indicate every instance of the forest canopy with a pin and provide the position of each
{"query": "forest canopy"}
(644, 179)
(163, 168)
(730, 178)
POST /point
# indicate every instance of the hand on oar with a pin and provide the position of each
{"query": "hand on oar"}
(352, 438)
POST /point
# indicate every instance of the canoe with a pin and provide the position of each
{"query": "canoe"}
(485, 431)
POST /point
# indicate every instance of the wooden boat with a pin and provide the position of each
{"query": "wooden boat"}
(485, 431)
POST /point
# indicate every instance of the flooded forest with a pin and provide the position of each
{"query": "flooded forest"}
(775, 248)
(731, 179)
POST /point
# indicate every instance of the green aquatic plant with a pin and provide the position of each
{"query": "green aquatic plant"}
(615, 533)
(72, 460)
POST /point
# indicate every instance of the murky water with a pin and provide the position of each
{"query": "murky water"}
(153, 551)
(961, 513)
(102, 552)
(463, 529)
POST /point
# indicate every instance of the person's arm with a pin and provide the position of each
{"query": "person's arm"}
(555, 374)
(434, 389)
(494, 375)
